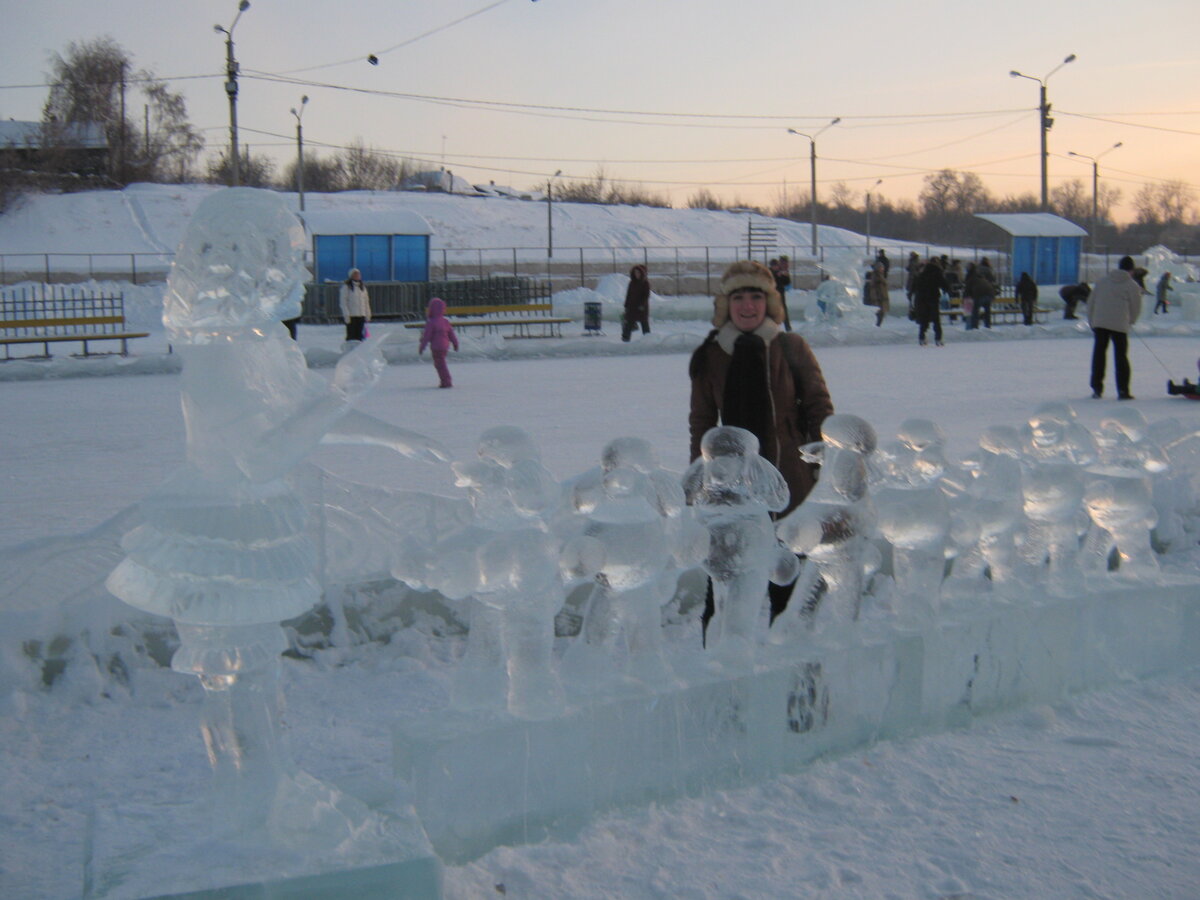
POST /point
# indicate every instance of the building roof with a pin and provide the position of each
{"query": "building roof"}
(1033, 224)
(28, 135)
(399, 221)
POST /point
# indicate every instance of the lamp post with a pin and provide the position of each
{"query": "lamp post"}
(300, 149)
(812, 159)
(875, 185)
(231, 88)
(1095, 184)
(550, 213)
(1044, 121)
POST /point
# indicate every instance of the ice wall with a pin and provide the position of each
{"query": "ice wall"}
(479, 783)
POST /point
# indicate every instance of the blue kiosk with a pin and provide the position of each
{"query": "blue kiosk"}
(1046, 246)
(386, 246)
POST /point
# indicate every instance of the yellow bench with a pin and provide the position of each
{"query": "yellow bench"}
(84, 329)
(516, 315)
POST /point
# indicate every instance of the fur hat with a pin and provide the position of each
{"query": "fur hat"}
(747, 274)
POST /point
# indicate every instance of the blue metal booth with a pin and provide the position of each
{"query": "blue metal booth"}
(1046, 246)
(385, 246)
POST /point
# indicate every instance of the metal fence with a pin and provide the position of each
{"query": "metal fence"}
(674, 270)
(54, 310)
(407, 300)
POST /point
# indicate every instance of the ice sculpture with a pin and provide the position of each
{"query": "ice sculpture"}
(1119, 497)
(224, 546)
(914, 514)
(633, 515)
(831, 528)
(996, 498)
(507, 568)
(733, 491)
(1055, 449)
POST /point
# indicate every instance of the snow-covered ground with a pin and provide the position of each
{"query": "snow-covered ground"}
(1096, 796)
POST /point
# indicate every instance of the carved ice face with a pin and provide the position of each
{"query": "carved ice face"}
(238, 268)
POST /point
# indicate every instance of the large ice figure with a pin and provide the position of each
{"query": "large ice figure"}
(733, 491)
(224, 547)
(831, 528)
(914, 514)
(1119, 496)
(507, 567)
(640, 539)
(1055, 449)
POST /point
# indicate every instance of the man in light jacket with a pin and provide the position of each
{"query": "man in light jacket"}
(1113, 306)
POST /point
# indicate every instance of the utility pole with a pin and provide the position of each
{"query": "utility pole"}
(300, 150)
(1045, 123)
(812, 164)
(231, 89)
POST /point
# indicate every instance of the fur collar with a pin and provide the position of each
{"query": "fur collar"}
(728, 334)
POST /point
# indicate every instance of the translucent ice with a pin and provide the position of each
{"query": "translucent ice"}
(733, 491)
(632, 519)
(831, 528)
(224, 546)
(1055, 448)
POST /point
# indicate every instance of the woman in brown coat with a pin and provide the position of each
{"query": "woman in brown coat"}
(752, 374)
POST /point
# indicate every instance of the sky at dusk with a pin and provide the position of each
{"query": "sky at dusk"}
(675, 95)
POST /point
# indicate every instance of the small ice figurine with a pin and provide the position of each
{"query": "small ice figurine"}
(830, 527)
(1055, 449)
(1119, 497)
(633, 518)
(733, 491)
(998, 503)
(506, 567)
(913, 512)
(224, 546)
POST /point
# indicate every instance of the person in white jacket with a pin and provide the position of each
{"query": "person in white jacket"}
(1113, 307)
(356, 305)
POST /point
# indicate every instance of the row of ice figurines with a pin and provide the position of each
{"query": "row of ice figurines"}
(896, 524)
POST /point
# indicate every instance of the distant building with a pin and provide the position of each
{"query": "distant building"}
(80, 147)
(441, 181)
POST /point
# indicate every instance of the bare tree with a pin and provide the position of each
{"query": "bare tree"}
(704, 199)
(1165, 203)
(253, 170)
(364, 169)
(170, 144)
(1071, 200)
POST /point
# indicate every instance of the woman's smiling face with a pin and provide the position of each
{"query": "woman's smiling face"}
(747, 308)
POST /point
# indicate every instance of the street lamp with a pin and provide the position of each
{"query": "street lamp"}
(550, 213)
(812, 158)
(1044, 121)
(231, 88)
(1095, 184)
(875, 185)
(300, 149)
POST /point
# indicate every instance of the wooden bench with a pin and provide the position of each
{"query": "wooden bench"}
(1005, 311)
(492, 318)
(77, 319)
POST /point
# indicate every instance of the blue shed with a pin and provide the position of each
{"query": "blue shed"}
(1046, 246)
(385, 245)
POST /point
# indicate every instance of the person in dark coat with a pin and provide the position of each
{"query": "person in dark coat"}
(927, 301)
(751, 374)
(1160, 293)
(1072, 295)
(980, 286)
(882, 257)
(912, 268)
(1027, 295)
(637, 303)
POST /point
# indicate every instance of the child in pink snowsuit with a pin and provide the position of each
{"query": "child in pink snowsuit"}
(438, 336)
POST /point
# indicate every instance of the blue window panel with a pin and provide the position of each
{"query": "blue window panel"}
(1069, 251)
(371, 256)
(332, 257)
(1047, 261)
(1023, 249)
(411, 257)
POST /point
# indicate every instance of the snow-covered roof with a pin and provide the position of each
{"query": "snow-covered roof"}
(370, 221)
(1033, 224)
(29, 134)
